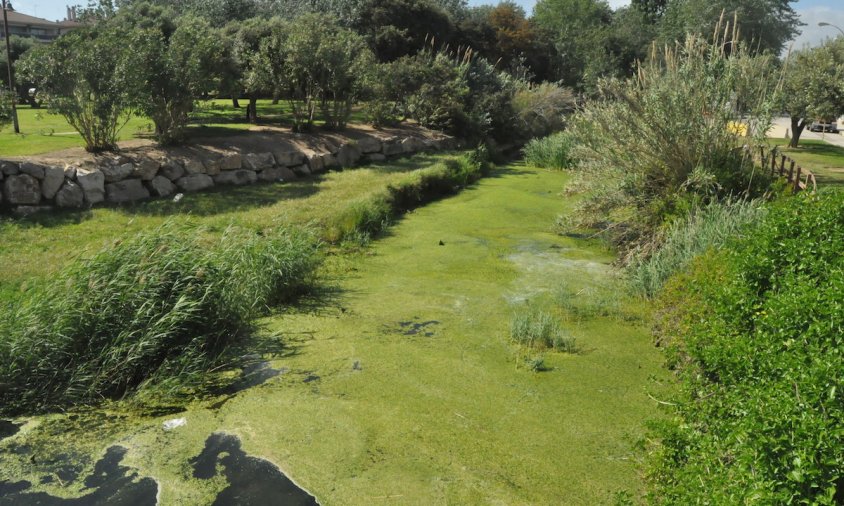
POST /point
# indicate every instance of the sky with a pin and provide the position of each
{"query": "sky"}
(811, 12)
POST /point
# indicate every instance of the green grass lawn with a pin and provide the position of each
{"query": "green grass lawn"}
(825, 160)
(43, 132)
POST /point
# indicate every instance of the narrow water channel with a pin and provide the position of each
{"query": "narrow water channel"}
(398, 384)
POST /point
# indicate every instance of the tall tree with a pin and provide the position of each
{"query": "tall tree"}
(814, 86)
(768, 24)
(395, 28)
(580, 30)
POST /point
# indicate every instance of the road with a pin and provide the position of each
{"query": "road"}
(781, 125)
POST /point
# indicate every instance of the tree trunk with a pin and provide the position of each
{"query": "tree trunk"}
(235, 103)
(252, 110)
(797, 126)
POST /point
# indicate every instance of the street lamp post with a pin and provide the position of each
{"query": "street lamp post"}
(9, 67)
(824, 23)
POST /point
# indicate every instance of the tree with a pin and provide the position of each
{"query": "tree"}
(326, 66)
(82, 76)
(172, 63)
(395, 28)
(248, 75)
(813, 86)
(19, 47)
(767, 24)
(580, 30)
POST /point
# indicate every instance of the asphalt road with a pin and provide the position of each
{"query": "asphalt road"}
(782, 124)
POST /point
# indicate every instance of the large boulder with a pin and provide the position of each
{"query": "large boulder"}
(128, 190)
(276, 174)
(22, 189)
(172, 170)
(392, 148)
(369, 145)
(348, 155)
(70, 196)
(53, 179)
(329, 161)
(412, 145)
(258, 161)
(302, 170)
(212, 167)
(289, 158)
(231, 162)
(146, 169)
(70, 172)
(195, 183)
(375, 157)
(9, 168)
(115, 173)
(33, 169)
(316, 164)
(24, 211)
(92, 182)
(160, 186)
(194, 166)
(236, 177)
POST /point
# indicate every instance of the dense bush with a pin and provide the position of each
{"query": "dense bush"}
(710, 226)
(541, 110)
(164, 303)
(661, 143)
(83, 76)
(5, 108)
(756, 333)
(552, 152)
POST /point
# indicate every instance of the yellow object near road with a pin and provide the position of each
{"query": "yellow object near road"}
(737, 128)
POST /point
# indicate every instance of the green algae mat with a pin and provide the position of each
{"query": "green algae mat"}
(397, 383)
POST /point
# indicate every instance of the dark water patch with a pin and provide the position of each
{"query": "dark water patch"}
(251, 480)
(413, 328)
(254, 374)
(112, 484)
(8, 429)
(311, 378)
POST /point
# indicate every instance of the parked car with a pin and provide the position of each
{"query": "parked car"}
(823, 125)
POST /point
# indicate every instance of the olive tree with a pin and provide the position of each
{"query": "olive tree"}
(83, 77)
(169, 70)
(813, 87)
(326, 67)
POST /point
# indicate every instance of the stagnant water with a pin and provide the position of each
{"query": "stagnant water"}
(400, 386)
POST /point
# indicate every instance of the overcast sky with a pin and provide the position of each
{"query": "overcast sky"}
(811, 12)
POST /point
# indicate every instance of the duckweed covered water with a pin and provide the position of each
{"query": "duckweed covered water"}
(400, 386)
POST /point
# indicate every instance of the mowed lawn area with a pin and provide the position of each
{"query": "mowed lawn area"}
(825, 160)
(44, 132)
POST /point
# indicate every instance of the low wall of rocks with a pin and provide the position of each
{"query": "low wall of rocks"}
(32, 186)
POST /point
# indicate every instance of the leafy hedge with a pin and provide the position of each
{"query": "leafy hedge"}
(757, 333)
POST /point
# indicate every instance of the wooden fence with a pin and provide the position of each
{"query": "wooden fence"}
(781, 165)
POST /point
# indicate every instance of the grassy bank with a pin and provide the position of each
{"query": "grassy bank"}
(168, 301)
(824, 159)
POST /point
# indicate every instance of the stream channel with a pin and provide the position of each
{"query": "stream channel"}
(396, 383)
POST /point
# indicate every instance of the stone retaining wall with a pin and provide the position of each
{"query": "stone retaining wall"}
(31, 186)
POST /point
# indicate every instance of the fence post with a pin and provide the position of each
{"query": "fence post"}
(782, 165)
(773, 163)
(797, 180)
(791, 171)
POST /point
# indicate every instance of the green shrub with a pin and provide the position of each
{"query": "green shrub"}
(541, 110)
(366, 218)
(552, 152)
(540, 330)
(710, 226)
(759, 344)
(164, 303)
(668, 139)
